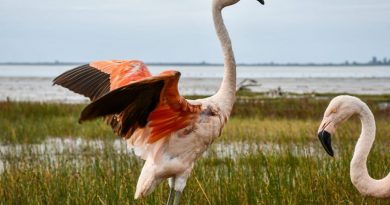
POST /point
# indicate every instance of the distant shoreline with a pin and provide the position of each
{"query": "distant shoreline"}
(208, 64)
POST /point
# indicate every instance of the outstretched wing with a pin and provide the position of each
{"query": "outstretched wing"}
(98, 78)
(153, 102)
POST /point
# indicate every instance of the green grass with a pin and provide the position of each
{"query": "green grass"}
(26, 122)
(285, 165)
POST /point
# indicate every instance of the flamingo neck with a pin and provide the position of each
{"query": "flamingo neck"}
(358, 170)
(226, 94)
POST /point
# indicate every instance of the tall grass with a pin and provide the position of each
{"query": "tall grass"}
(284, 164)
(285, 176)
(26, 122)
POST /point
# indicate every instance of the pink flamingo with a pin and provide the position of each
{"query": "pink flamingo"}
(169, 132)
(339, 110)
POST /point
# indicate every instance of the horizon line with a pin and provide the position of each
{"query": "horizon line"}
(203, 63)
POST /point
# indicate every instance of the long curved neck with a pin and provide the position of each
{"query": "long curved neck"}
(358, 170)
(226, 94)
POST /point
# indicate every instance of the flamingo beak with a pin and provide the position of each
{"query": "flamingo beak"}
(261, 1)
(326, 141)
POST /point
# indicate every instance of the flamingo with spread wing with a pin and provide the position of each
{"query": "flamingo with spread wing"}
(169, 132)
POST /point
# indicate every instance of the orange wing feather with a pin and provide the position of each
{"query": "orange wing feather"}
(122, 72)
(134, 100)
(173, 112)
(136, 97)
(100, 77)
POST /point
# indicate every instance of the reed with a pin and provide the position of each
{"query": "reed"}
(262, 157)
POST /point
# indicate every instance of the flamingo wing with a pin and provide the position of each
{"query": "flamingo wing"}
(153, 102)
(98, 78)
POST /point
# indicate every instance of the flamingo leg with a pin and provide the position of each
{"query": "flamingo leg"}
(171, 183)
(177, 184)
(177, 198)
(170, 197)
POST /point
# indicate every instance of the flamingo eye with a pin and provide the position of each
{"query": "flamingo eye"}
(334, 110)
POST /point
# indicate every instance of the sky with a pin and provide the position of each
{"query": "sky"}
(182, 31)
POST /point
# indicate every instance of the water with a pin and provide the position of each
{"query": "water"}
(34, 83)
(52, 71)
(55, 149)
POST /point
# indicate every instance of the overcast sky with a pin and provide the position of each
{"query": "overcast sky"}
(182, 30)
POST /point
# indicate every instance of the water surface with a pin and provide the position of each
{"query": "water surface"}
(34, 83)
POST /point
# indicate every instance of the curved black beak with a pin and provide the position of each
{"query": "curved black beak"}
(326, 141)
(261, 1)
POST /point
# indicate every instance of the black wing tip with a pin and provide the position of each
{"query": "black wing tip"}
(85, 80)
(133, 102)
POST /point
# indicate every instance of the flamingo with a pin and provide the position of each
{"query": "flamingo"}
(339, 110)
(166, 130)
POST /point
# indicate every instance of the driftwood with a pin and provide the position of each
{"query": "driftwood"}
(246, 83)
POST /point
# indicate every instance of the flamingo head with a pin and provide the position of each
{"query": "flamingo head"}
(225, 3)
(340, 109)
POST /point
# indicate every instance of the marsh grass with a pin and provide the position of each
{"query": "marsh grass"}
(292, 169)
(26, 122)
(106, 176)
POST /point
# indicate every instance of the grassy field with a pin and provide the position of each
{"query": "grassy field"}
(267, 154)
